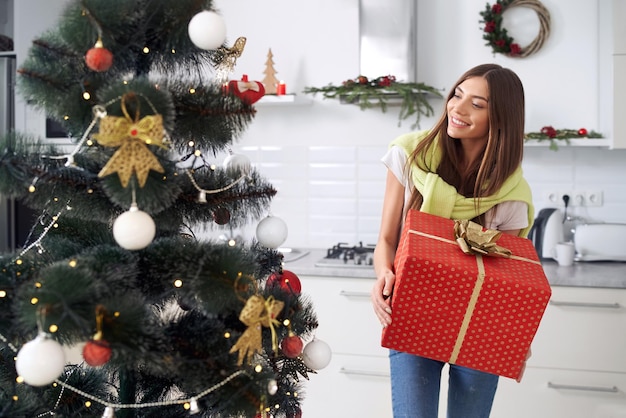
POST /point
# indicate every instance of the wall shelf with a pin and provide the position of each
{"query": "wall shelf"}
(574, 142)
(284, 100)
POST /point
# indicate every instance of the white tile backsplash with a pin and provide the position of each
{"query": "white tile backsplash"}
(332, 194)
(325, 152)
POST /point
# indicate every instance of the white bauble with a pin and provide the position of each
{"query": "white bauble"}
(207, 30)
(272, 387)
(316, 354)
(271, 232)
(134, 230)
(237, 165)
(40, 361)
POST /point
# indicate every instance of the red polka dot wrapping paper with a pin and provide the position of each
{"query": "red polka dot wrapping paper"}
(480, 312)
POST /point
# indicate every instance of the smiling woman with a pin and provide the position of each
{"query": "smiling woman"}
(468, 166)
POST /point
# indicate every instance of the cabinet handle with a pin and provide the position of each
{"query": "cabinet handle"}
(363, 372)
(615, 305)
(354, 294)
(614, 389)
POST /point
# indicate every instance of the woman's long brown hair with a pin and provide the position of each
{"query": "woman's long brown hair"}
(503, 152)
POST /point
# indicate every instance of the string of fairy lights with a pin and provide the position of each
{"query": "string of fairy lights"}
(189, 404)
(240, 164)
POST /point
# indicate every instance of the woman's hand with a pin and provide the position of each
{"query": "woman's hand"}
(386, 248)
(381, 297)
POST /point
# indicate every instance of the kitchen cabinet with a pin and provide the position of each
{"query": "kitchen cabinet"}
(356, 382)
(578, 367)
(28, 26)
(619, 73)
(577, 370)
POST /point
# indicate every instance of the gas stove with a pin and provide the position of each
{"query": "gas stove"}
(351, 256)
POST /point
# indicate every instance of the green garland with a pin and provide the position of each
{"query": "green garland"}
(548, 133)
(378, 92)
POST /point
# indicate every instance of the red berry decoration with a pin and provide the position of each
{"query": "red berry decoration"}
(96, 352)
(582, 132)
(292, 346)
(287, 280)
(99, 58)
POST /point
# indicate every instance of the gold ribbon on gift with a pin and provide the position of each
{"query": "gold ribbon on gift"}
(469, 312)
(257, 312)
(472, 239)
(131, 135)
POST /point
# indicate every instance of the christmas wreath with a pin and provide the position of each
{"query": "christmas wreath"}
(498, 37)
(369, 93)
(548, 133)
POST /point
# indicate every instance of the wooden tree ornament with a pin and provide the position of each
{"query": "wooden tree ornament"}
(270, 82)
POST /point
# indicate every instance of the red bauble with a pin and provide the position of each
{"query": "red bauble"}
(287, 280)
(221, 216)
(96, 352)
(248, 91)
(292, 346)
(582, 132)
(296, 414)
(99, 59)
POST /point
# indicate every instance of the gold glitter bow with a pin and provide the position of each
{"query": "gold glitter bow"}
(472, 239)
(131, 135)
(226, 63)
(256, 313)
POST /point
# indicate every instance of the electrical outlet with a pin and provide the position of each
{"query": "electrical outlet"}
(555, 197)
(593, 198)
(580, 198)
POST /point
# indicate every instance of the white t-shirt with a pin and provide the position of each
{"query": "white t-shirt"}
(510, 215)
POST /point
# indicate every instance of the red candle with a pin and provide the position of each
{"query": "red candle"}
(281, 89)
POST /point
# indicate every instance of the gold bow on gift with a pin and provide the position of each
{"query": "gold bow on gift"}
(131, 136)
(472, 239)
(257, 312)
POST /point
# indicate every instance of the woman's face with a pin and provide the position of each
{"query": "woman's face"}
(468, 110)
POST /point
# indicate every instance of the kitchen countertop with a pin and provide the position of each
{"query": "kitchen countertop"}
(581, 274)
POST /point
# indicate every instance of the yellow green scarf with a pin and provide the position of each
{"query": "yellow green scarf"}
(442, 199)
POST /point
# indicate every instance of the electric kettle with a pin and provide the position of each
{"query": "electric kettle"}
(547, 231)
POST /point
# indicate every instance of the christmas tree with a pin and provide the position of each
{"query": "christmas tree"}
(168, 323)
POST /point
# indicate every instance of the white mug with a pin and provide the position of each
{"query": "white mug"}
(564, 253)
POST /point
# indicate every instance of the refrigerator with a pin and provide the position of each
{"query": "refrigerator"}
(16, 220)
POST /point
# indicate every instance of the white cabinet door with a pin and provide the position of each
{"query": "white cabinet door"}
(344, 312)
(553, 393)
(619, 100)
(351, 386)
(619, 29)
(582, 329)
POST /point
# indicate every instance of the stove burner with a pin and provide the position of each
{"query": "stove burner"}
(343, 253)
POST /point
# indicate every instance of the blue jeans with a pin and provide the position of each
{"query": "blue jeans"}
(415, 385)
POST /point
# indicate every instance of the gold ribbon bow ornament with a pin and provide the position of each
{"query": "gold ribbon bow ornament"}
(256, 313)
(472, 239)
(131, 135)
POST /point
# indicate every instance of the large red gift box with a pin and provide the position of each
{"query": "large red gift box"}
(476, 311)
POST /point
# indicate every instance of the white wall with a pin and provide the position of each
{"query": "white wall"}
(324, 158)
